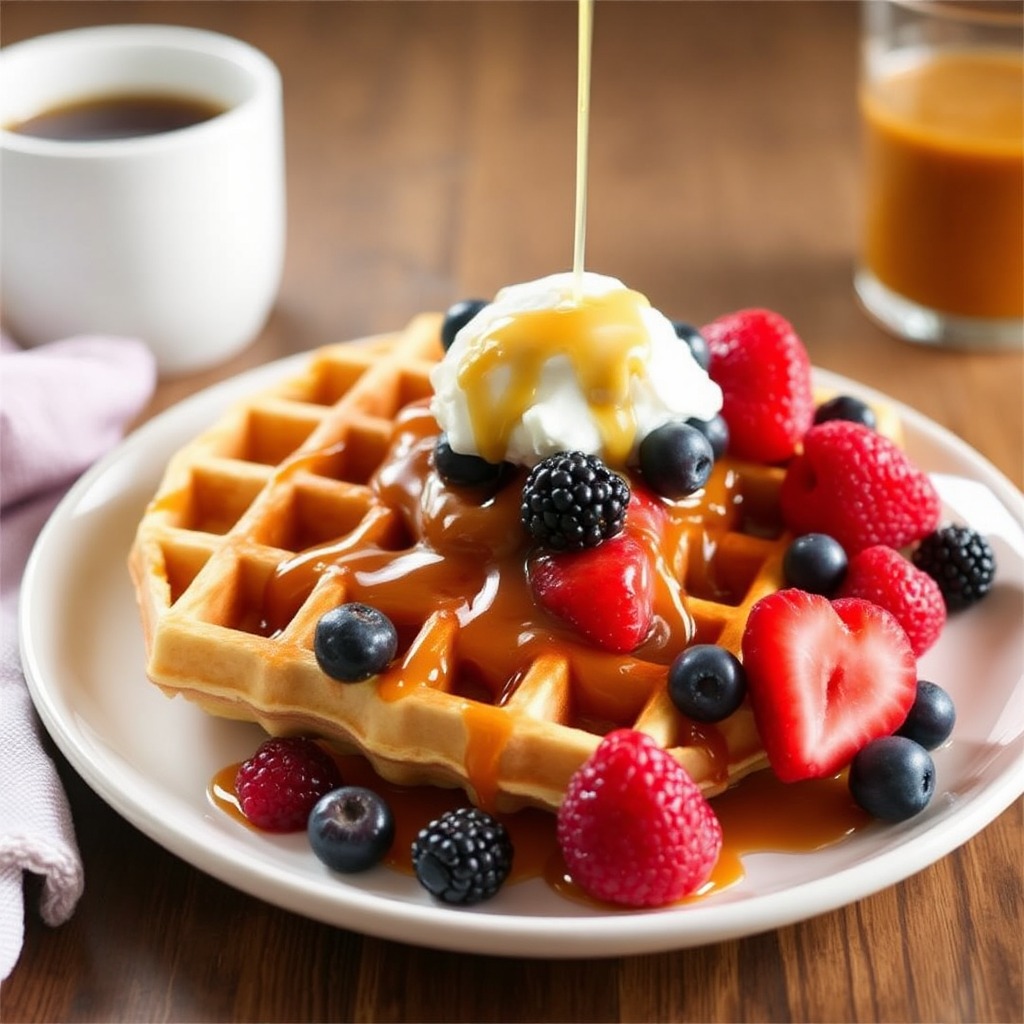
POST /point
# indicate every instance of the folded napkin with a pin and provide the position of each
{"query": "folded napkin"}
(61, 406)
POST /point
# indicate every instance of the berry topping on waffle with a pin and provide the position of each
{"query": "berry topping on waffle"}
(357, 555)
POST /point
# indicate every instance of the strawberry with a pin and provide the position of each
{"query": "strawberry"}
(645, 511)
(858, 487)
(883, 576)
(634, 828)
(764, 372)
(824, 678)
(606, 593)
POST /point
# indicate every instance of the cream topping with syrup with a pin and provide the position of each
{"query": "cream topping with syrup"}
(543, 369)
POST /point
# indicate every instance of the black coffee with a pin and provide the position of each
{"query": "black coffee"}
(117, 117)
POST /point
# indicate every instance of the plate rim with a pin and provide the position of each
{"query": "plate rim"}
(615, 933)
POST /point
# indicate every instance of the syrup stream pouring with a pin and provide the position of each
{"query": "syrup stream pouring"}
(586, 23)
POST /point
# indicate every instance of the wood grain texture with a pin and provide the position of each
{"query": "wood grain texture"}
(430, 157)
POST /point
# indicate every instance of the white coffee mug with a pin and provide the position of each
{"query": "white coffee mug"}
(176, 238)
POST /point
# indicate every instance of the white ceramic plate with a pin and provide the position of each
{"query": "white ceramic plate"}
(151, 759)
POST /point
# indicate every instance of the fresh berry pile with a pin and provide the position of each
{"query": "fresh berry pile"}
(293, 784)
(828, 663)
(871, 574)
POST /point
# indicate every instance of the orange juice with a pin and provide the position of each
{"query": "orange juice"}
(944, 150)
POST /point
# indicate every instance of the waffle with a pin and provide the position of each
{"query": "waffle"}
(313, 493)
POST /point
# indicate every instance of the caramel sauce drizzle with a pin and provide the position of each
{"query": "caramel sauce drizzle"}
(605, 341)
(464, 555)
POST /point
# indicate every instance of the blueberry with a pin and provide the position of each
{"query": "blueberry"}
(676, 459)
(716, 430)
(461, 470)
(815, 562)
(706, 683)
(353, 642)
(931, 717)
(351, 829)
(696, 341)
(457, 317)
(846, 407)
(892, 778)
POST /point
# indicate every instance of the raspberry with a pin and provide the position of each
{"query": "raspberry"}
(573, 501)
(883, 576)
(463, 857)
(634, 828)
(278, 786)
(858, 487)
(961, 562)
(764, 372)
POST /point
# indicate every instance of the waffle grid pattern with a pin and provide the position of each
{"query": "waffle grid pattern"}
(288, 470)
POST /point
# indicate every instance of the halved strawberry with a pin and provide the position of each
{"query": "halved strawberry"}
(606, 593)
(824, 678)
(763, 369)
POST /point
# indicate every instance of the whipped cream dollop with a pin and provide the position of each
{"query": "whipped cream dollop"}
(550, 367)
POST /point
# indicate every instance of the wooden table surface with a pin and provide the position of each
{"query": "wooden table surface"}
(430, 154)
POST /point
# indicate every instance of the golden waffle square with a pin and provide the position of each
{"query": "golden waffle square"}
(281, 511)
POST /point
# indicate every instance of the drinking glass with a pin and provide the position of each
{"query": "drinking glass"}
(942, 107)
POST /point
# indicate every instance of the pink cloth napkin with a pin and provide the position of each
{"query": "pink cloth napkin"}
(61, 406)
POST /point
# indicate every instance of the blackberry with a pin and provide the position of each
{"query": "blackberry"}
(961, 561)
(462, 857)
(573, 501)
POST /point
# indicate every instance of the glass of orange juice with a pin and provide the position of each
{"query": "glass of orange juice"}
(942, 106)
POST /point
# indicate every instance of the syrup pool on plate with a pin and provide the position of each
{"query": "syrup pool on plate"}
(759, 815)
